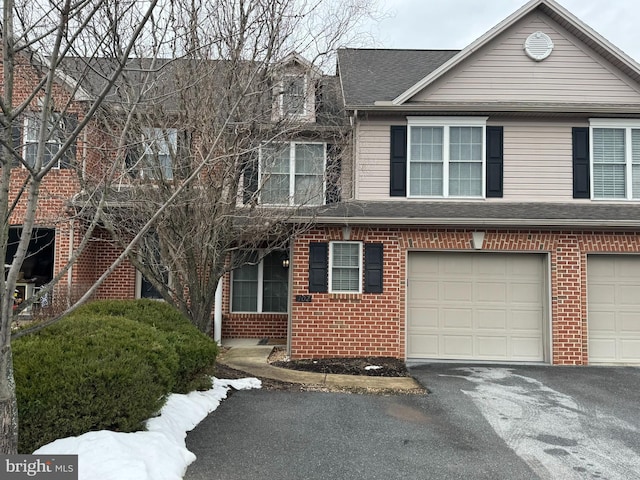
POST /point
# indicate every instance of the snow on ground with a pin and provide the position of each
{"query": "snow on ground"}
(160, 452)
(549, 430)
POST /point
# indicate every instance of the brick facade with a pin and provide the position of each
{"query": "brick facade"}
(375, 324)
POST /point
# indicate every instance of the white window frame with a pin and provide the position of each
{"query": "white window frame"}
(162, 139)
(445, 123)
(627, 126)
(53, 140)
(292, 174)
(139, 288)
(260, 293)
(360, 266)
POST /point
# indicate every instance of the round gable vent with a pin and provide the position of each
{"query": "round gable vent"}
(538, 46)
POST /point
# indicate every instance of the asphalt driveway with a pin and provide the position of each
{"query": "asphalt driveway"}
(478, 422)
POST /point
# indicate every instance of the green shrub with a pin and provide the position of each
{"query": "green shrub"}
(196, 351)
(90, 372)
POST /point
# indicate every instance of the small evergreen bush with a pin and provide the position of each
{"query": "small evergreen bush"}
(90, 372)
(196, 351)
(109, 365)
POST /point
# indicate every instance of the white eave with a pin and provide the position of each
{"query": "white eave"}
(553, 10)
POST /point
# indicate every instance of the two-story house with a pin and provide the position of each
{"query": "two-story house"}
(495, 211)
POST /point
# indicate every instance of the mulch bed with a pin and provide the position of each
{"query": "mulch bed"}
(369, 366)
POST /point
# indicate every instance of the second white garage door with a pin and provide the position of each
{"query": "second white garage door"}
(613, 295)
(476, 306)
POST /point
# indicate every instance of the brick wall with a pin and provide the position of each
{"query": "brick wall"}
(374, 324)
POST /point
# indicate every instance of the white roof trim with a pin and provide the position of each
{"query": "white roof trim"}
(501, 27)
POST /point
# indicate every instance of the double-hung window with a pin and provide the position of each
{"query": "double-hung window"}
(292, 173)
(446, 156)
(260, 286)
(56, 135)
(345, 267)
(615, 159)
(160, 146)
(293, 99)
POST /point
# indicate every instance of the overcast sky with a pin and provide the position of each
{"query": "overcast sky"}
(453, 24)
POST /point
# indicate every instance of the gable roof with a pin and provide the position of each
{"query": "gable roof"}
(550, 8)
(370, 75)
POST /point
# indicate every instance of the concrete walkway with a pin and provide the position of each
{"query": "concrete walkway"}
(252, 359)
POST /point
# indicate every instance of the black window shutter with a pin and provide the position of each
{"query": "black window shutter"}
(398, 167)
(250, 178)
(318, 267)
(334, 168)
(581, 174)
(495, 161)
(69, 123)
(373, 267)
(16, 138)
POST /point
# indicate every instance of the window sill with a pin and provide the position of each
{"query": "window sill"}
(351, 297)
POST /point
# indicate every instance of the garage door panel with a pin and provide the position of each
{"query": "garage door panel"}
(630, 322)
(526, 320)
(526, 348)
(456, 292)
(421, 318)
(423, 291)
(489, 306)
(527, 293)
(424, 345)
(629, 350)
(487, 292)
(613, 297)
(456, 318)
(494, 347)
(457, 346)
(491, 319)
(628, 295)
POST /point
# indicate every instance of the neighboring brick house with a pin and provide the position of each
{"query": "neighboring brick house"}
(495, 210)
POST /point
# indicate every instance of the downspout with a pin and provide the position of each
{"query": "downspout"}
(290, 296)
(354, 136)
(217, 314)
(70, 271)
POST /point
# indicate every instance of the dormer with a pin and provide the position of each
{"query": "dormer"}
(295, 84)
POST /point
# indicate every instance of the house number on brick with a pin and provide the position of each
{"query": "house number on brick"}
(303, 298)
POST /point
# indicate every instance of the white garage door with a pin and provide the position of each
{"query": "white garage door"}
(613, 296)
(476, 306)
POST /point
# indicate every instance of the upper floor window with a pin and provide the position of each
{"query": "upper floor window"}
(615, 159)
(260, 286)
(292, 173)
(446, 157)
(159, 149)
(57, 131)
(294, 95)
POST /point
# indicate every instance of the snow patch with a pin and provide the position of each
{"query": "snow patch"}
(160, 452)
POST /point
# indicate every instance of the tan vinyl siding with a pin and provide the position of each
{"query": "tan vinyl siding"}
(537, 160)
(373, 150)
(502, 72)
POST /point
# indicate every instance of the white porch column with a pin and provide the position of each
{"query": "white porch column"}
(217, 314)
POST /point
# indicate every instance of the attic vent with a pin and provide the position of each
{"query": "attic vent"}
(538, 46)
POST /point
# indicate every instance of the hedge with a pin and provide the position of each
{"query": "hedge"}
(196, 351)
(109, 365)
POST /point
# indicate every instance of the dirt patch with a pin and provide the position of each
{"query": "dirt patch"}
(368, 366)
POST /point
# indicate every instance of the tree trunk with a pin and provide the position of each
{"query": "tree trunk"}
(8, 405)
